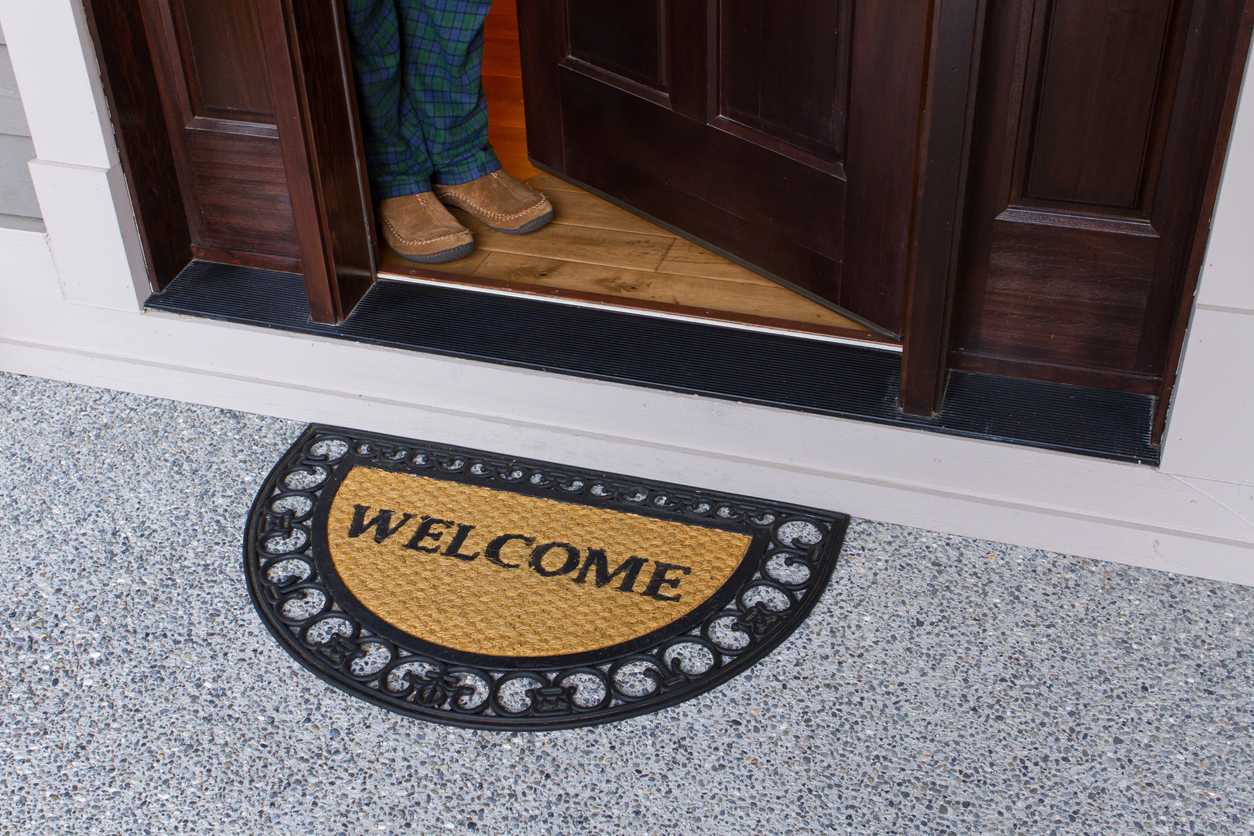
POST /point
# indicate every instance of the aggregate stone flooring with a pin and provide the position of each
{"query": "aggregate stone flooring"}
(944, 685)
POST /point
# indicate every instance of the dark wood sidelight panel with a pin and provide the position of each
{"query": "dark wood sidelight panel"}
(216, 96)
(238, 130)
(1093, 134)
(1089, 171)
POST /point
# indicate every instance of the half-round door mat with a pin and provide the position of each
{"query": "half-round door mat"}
(479, 590)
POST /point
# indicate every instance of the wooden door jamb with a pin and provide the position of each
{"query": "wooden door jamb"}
(319, 131)
(948, 111)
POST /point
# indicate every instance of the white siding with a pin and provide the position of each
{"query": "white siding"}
(19, 208)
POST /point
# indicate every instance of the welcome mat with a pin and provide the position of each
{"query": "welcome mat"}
(479, 590)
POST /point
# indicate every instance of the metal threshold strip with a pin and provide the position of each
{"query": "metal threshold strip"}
(776, 369)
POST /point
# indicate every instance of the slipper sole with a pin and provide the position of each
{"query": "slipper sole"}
(530, 226)
(442, 256)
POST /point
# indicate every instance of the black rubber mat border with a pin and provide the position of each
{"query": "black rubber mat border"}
(765, 368)
(287, 561)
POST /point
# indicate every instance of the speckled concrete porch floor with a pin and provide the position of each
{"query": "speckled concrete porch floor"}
(944, 685)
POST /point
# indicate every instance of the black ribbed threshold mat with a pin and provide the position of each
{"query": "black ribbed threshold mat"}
(480, 590)
(772, 369)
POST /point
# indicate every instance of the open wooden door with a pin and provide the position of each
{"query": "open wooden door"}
(785, 134)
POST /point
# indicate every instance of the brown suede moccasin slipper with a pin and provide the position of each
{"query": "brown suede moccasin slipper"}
(501, 202)
(419, 228)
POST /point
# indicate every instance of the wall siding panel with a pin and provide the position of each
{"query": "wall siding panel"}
(18, 207)
(12, 116)
(17, 192)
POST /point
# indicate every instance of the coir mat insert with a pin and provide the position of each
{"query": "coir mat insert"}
(480, 590)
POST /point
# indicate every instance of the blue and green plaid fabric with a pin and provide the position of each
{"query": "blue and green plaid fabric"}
(418, 65)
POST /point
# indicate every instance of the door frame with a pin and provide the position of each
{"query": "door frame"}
(310, 76)
(947, 114)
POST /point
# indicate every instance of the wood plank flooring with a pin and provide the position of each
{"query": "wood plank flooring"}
(594, 251)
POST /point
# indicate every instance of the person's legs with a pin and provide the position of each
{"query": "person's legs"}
(442, 55)
(418, 66)
(411, 220)
(397, 158)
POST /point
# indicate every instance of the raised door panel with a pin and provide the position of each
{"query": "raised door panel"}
(625, 38)
(1090, 130)
(241, 192)
(1075, 296)
(765, 47)
(225, 65)
(1065, 241)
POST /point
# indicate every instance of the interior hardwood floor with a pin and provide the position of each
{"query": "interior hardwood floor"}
(593, 251)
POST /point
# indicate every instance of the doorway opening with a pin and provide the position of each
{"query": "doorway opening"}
(273, 229)
(595, 252)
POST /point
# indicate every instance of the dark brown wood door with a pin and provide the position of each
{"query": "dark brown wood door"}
(785, 134)
(1094, 144)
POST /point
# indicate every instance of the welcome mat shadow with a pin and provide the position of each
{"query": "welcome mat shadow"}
(479, 590)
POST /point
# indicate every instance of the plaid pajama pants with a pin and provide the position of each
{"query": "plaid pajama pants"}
(418, 65)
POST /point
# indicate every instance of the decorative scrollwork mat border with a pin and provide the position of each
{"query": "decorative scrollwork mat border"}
(289, 585)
